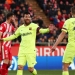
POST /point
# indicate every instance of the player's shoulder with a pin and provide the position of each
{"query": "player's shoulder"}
(34, 24)
(21, 26)
(4, 24)
(70, 19)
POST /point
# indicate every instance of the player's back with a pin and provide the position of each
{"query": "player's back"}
(6, 30)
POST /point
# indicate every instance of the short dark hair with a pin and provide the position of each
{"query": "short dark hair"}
(26, 13)
(9, 15)
(73, 10)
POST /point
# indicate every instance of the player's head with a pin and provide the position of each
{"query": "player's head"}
(73, 10)
(27, 18)
(10, 16)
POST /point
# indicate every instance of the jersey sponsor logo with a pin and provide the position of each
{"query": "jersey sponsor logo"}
(14, 64)
(8, 33)
(30, 28)
(25, 34)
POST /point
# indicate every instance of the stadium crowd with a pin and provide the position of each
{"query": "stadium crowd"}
(56, 10)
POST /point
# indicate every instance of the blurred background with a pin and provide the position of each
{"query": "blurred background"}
(43, 13)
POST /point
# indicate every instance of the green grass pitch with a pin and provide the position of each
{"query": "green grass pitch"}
(44, 72)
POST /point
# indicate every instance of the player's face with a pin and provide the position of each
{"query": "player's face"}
(27, 19)
(12, 18)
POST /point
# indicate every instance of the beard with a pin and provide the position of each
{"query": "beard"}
(27, 22)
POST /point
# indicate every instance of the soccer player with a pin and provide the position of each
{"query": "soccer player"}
(27, 52)
(69, 54)
(6, 29)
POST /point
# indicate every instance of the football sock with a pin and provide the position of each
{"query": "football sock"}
(4, 69)
(65, 73)
(7, 68)
(19, 72)
(34, 72)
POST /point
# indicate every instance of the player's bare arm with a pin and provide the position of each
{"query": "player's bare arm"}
(59, 39)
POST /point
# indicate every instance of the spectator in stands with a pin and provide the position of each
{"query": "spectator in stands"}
(9, 1)
(21, 21)
(1, 7)
(1, 19)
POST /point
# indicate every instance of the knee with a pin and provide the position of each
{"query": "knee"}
(20, 67)
(65, 66)
(30, 69)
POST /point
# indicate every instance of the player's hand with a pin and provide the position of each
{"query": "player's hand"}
(53, 48)
(1, 40)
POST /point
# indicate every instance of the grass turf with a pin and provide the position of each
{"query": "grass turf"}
(44, 72)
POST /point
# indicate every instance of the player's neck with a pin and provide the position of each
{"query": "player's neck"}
(7, 21)
(26, 24)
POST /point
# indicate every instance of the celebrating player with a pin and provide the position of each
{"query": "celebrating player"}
(27, 52)
(69, 54)
(6, 29)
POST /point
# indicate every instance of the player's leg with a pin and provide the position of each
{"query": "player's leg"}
(10, 61)
(21, 63)
(5, 57)
(67, 59)
(31, 61)
(65, 68)
(0, 60)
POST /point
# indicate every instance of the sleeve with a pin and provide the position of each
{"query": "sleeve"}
(36, 26)
(44, 30)
(15, 35)
(66, 26)
(2, 28)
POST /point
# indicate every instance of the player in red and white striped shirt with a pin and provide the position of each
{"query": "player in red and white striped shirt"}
(6, 30)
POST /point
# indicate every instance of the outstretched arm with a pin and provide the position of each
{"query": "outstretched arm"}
(11, 37)
(41, 30)
(49, 29)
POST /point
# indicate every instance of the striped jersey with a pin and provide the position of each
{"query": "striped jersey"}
(6, 30)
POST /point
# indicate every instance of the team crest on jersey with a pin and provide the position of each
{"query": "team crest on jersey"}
(30, 28)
